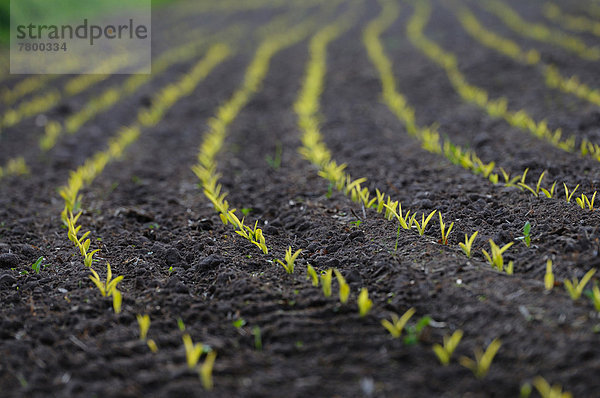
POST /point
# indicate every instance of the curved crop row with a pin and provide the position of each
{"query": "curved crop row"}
(574, 23)
(540, 32)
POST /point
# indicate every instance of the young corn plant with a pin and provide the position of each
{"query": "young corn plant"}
(445, 233)
(424, 221)
(523, 185)
(344, 287)
(495, 259)
(289, 260)
(596, 297)
(483, 360)
(397, 324)
(583, 201)
(526, 238)
(364, 302)
(575, 287)
(312, 275)
(569, 194)
(206, 370)
(192, 351)
(549, 276)
(466, 247)
(82, 243)
(444, 352)
(547, 391)
(326, 282)
(144, 325)
(109, 287)
(254, 235)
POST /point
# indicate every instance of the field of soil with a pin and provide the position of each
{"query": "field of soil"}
(274, 333)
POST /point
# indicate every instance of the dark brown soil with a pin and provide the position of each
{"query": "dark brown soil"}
(59, 337)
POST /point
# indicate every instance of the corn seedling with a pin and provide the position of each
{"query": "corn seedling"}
(526, 238)
(510, 267)
(445, 233)
(547, 391)
(109, 287)
(444, 352)
(364, 302)
(397, 324)
(575, 287)
(326, 282)
(495, 259)
(289, 260)
(192, 351)
(254, 235)
(37, 266)
(414, 331)
(344, 287)
(596, 297)
(144, 325)
(568, 195)
(152, 345)
(424, 221)
(466, 247)
(483, 360)
(312, 275)
(206, 370)
(549, 276)
(583, 201)
(257, 338)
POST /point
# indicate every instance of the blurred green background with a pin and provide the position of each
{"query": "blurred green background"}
(62, 8)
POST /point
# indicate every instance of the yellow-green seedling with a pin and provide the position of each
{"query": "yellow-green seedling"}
(547, 391)
(483, 360)
(569, 194)
(414, 331)
(510, 267)
(108, 288)
(192, 351)
(312, 275)
(444, 352)
(82, 243)
(495, 259)
(424, 221)
(523, 185)
(404, 221)
(583, 201)
(466, 247)
(509, 182)
(289, 260)
(152, 345)
(181, 324)
(575, 287)
(344, 287)
(364, 302)
(144, 324)
(37, 266)
(397, 324)
(206, 370)
(254, 235)
(549, 276)
(526, 238)
(326, 282)
(596, 297)
(549, 193)
(380, 202)
(445, 232)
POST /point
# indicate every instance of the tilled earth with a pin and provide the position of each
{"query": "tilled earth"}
(149, 217)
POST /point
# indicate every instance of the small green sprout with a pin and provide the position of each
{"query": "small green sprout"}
(326, 282)
(192, 351)
(397, 324)
(257, 338)
(344, 287)
(509, 182)
(206, 370)
(445, 233)
(245, 211)
(575, 288)
(483, 360)
(549, 277)
(364, 302)
(583, 201)
(171, 269)
(108, 288)
(568, 195)
(444, 352)
(596, 297)
(535, 192)
(36, 267)
(275, 162)
(525, 391)
(424, 221)
(413, 332)
(549, 194)
(312, 274)
(510, 267)
(239, 323)
(466, 247)
(495, 259)
(391, 212)
(356, 223)
(547, 391)
(526, 238)
(289, 260)
(152, 345)
(144, 324)
(180, 324)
